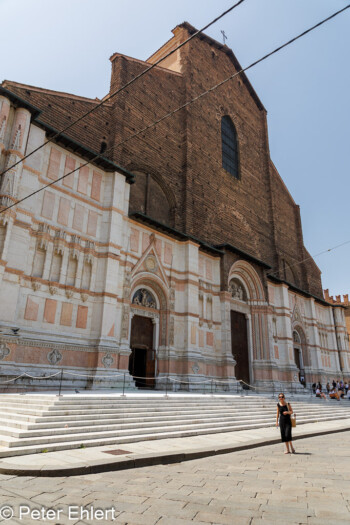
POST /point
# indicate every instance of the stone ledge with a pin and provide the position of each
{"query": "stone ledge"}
(145, 460)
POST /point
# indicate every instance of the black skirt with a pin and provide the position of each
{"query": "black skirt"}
(286, 428)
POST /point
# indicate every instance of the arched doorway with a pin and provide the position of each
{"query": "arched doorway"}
(239, 332)
(144, 338)
(298, 356)
(239, 346)
(142, 357)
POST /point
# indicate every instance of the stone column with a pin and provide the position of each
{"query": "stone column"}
(5, 106)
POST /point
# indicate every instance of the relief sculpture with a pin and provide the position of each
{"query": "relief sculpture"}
(144, 298)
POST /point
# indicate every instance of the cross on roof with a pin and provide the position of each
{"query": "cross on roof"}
(224, 37)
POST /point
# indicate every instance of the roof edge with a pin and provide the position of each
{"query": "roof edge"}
(66, 141)
(15, 99)
(143, 218)
(246, 255)
(223, 47)
(301, 291)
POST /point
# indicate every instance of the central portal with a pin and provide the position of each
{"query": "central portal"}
(142, 358)
(239, 342)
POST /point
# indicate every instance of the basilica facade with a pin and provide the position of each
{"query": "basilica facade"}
(173, 255)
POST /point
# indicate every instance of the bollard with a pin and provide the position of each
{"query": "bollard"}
(60, 388)
(166, 387)
(212, 387)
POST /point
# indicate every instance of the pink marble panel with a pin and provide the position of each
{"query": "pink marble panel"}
(168, 253)
(201, 338)
(201, 267)
(31, 312)
(48, 204)
(210, 339)
(78, 220)
(50, 311)
(83, 180)
(69, 166)
(159, 247)
(63, 211)
(277, 356)
(134, 240)
(54, 164)
(92, 223)
(123, 362)
(66, 314)
(82, 316)
(145, 241)
(193, 335)
(208, 270)
(111, 332)
(96, 186)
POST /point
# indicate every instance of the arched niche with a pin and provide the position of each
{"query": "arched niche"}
(237, 289)
(247, 278)
(289, 273)
(151, 196)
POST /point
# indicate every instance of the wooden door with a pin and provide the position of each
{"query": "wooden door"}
(142, 359)
(239, 342)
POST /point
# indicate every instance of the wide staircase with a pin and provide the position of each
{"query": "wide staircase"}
(41, 423)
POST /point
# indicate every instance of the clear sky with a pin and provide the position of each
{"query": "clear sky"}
(66, 46)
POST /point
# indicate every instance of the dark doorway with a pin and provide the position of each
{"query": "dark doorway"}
(239, 342)
(301, 373)
(142, 358)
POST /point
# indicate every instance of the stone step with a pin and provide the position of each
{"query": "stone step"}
(70, 421)
(99, 442)
(51, 421)
(139, 431)
(149, 424)
(100, 419)
(135, 426)
(146, 405)
(86, 403)
(51, 447)
(67, 416)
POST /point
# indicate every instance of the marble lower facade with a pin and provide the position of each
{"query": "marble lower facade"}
(171, 326)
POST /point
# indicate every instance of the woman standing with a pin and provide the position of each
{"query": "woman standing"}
(284, 411)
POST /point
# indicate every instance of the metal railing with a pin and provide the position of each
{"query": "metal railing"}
(123, 382)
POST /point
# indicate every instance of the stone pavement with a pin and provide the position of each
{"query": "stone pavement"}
(155, 452)
(248, 487)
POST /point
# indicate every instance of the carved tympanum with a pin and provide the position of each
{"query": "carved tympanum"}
(237, 290)
(144, 298)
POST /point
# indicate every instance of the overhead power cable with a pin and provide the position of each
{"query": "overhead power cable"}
(183, 106)
(187, 104)
(129, 83)
(311, 257)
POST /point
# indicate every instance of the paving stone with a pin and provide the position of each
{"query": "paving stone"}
(200, 491)
(209, 517)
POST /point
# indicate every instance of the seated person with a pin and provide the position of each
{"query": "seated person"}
(333, 394)
(319, 393)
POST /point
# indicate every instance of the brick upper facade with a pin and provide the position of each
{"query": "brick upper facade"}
(182, 155)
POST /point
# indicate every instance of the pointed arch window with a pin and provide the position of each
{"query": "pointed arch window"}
(229, 146)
